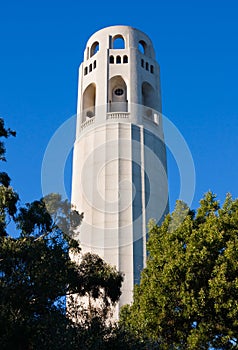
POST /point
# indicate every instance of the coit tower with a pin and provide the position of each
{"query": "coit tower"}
(119, 162)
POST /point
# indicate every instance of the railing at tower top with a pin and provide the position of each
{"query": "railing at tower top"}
(149, 115)
(87, 122)
(118, 115)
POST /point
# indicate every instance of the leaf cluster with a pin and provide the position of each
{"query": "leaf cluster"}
(188, 294)
(4, 133)
(37, 275)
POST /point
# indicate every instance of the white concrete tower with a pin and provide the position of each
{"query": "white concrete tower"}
(119, 163)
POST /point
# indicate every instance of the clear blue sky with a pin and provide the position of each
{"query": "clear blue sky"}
(196, 43)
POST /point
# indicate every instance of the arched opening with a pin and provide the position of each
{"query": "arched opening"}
(152, 69)
(118, 42)
(117, 97)
(85, 70)
(118, 59)
(94, 64)
(148, 100)
(142, 47)
(147, 66)
(125, 59)
(142, 63)
(94, 48)
(89, 101)
(90, 67)
(111, 59)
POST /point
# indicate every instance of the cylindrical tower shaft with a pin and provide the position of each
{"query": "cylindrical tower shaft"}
(119, 163)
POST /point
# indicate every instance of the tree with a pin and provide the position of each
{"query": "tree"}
(188, 294)
(36, 273)
(4, 133)
(8, 197)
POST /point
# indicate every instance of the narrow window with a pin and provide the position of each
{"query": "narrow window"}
(148, 100)
(118, 59)
(147, 66)
(111, 59)
(142, 47)
(94, 64)
(125, 59)
(90, 67)
(89, 101)
(152, 69)
(94, 48)
(142, 63)
(85, 70)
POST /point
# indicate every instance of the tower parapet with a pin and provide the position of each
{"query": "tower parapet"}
(118, 76)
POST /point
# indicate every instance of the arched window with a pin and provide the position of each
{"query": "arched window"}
(90, 67)
(125, 59)
(150, 103)
(142, 63)
(89, 101)
(94, 64)
(152, 69)
(94, 48)
(148, 99)
(142, 47)
(147, 66)
(118, 59)
(117, 97)
(118, 42)
(111, 59)
(85, 70)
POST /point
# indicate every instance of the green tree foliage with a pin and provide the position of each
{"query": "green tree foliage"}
(188, 295)
(4, 133)
(8, 197)
(36, 274)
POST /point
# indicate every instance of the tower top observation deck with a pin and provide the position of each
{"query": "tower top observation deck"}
(119, 80)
